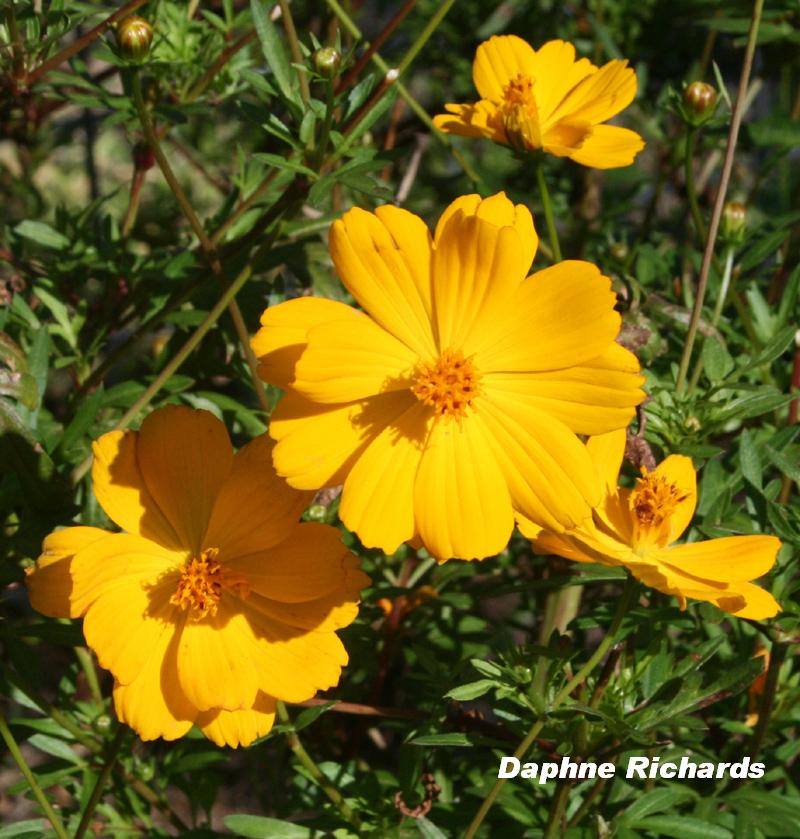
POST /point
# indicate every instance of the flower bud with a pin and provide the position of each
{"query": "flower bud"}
(700, 102)
(134, 36)
(327, 61)
(734, 219)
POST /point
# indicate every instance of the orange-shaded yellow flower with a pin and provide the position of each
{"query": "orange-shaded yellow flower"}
(636, 528)
(453, 402)
(545, 99)
(216, 601)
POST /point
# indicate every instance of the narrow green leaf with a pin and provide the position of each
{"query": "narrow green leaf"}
(43, 234)
(262, 827)
(273, 49)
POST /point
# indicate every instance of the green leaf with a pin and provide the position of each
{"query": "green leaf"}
(42, 234)
(470, 691)
(457, 739)
(749, 460)
(309, 715)
(683, 827)
(261, 827)
(655, 801)
(428, 829)
(54, 747)
(282, 163)
(273, 49)
(717, 362)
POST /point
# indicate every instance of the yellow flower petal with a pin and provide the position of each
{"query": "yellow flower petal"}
(185, 456)
(498, 61)
(120, 488)
(607, 452)
(556, 72)
(678, 469)
(477, 266)
(254, 509)
(310, 563)
(461, 500)
(758, 603)
(730, 559)
(481, 119)
(353, 359)
(213, 669)
(560, 317)
(565, 139)
(608, 147)
(49, 582)
(591, 398)
(153, 704)
(292, 664)
(282, 338)
(384, 262)
(318, 444)
(600, 95)
(377, 500)
(550, 475)
(239, 728)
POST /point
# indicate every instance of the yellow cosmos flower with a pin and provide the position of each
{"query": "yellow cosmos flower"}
(636, 528)
(453, 401)
(216, 601)
(545, 99)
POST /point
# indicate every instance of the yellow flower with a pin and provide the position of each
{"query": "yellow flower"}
(545, 99)
(216, 601)
(636, 528)
(454, 400)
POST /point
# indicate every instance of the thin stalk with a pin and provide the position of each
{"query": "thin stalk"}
(102, 780)
(547, 206)
(316, 773)
(294, 46)
(133, 202)
(38, 792)
(777, 655)
(205, 242)
(221, 60)
(727, 273)
(575, 681)
(556, 816)
(90, 671)
(15, 40)
(716, 216)
(430, 27)
(586, 805)
(691, 189)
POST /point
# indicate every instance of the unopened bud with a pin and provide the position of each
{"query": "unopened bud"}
(619, 250)
(700, 101)
(134, 36)
(327, 61)
(143, 157)
(734, 220)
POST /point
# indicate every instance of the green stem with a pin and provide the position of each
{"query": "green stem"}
(723, 293)
(90, 671)
(294, 46)
(547, 206)
(102, 780)
(38, 792)
(205, 242)
(777, 655)
(691, 189)
(316, 773)
(716, 216)
(577, 679)
(556, 817)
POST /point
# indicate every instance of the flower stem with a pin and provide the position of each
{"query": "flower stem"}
(547, 206)
(102, 779)
(777, 656)
(716, 216)
(294, 46)
(90, 671)
(554, 820)
(38, 792)
(575, 681)
(205, 242)
(691, 189)
(316, 773)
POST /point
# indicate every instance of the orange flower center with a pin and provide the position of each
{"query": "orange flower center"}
(654, 499)
(201, 583)
(519, 112)
(448, 384)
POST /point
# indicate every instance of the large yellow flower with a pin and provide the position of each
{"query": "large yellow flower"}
(454, 400)
(216, 601)
(545, 99)
(636, 528)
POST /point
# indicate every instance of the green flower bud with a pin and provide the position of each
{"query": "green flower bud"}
(134, 36)
(734, 220)
(700, 102)
(327, 61)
